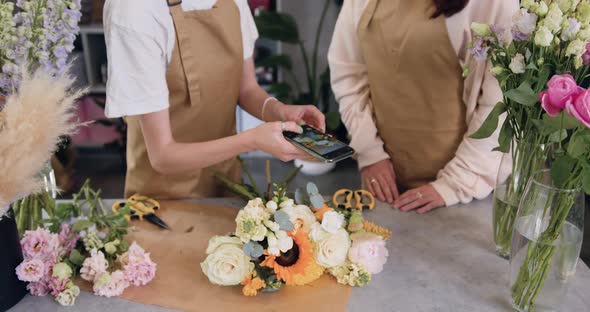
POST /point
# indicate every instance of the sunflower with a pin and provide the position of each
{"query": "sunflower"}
(296, 266)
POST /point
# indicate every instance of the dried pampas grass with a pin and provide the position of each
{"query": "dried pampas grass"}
(31, 124)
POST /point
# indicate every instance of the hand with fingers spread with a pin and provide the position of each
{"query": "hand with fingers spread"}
(424, 198)
(379, 178)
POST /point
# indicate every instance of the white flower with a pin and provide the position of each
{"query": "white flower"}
(285, 242)
(68, 296)
(249, 222)
(226, 264)
(332, 250)
(524, 22)
(576, 48)
(288, 203)
(496, 71)
(271, 225)
(301, 214)
(543, 37)
(567, 5)
(272, 206)
(517, 65)
(583, 12)
(584, 33)
(553, 19)
(332, 222)
(527, 4)
(542, 9)
(571, 28)
(217, 241)
(317, 233)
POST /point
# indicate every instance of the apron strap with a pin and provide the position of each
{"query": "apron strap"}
(172, 3)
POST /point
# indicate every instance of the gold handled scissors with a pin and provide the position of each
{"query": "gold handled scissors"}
(361, 199)
(142, 208)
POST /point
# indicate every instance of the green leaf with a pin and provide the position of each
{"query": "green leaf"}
(332, 120)
(76, 258)
(561, 170)
(81, 225)
(505, 138)
(253, 250)
(124, 211)
(280, 60)
(277, 26)
(282, 218)
(578, 145)
(569, 122)
(558, 136)
(586, 180)
(491, 123)
(524, 95)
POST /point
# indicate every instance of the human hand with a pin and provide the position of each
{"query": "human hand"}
(424, 198)
(303, 114)
(379, 178)
(269, 138)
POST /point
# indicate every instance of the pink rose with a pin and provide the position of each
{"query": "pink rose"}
(94, 265)
(586, 55)
(368, 250)
(580, 108)
(110, 285)
(31, 270)
(40, 244)
(39, 288)
(562, 89)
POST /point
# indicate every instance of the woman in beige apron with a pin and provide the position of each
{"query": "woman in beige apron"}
(195, 49)
(397, 73)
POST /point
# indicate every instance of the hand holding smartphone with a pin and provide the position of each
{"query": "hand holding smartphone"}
(320, 145)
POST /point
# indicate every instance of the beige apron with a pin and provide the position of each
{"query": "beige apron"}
(204, 78)
(416, 86)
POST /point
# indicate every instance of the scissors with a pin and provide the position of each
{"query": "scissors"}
(362, 199)
(142, 208)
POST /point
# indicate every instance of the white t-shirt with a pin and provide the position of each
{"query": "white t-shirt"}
(140, 39)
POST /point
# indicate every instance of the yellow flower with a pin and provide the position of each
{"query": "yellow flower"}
(252, 285)
(375, 229)
(295, 262)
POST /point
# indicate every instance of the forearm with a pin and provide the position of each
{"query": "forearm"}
(252, 100)
(174, 157)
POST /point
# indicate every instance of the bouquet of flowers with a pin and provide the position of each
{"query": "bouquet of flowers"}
(40, 35)
(542, 65)
(281, 242)
(81, 240)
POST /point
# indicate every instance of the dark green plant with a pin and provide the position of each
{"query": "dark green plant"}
(283, 27)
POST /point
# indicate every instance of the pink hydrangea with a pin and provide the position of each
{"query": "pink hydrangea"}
(368, 250)
(139, 273)
(39, 288)
(110, 285)
(94, 265)
(41, 244)
(56, 285)
(67, 238)
(31, 270)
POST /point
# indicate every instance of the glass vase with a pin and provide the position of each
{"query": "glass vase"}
(47, 176)
(523, 160)
(546, 244)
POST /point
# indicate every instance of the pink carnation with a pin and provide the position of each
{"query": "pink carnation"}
(56, 286)
(31, 270)
(110, 285)
(67, 238)
(94, 265)
(369, 251)
(139, 273)
(41, 244)
(39, 288)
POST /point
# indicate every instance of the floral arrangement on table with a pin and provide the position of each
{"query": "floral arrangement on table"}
(82, 240)
(541, 64)
(280, 242)
(40, 34)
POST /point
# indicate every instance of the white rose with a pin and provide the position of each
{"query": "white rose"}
(575, 48)
(333, 249)
(517, 65)
(543, 37)
(571, 28)
(317, 233)
(227, 265)
(524, 22)
(217, 241)
(332, 222)
(301, 213)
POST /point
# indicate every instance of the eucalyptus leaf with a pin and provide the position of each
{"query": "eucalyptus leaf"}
(558, 136)
(491, 123)
(524, 94)
(301, 197)
(253, 250)
(317, 201)
(283, 220)
(312, 188)
(561, 170)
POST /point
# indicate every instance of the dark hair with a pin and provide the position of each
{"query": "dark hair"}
(448, 7)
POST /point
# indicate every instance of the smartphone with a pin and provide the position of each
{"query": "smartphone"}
(320, 145)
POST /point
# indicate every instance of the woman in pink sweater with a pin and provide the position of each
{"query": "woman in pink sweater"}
(397, 74)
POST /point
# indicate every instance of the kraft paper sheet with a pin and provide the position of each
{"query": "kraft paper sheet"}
(180, 283)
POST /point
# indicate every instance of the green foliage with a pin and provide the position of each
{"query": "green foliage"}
(279, 60)
(524, 95)
(562, 169)
(561, 121)
(505, 138)
(277, 26)
(491, 123)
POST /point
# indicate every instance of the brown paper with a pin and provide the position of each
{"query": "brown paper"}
(180, 283)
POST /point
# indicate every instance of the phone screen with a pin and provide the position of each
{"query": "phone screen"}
(320, 143)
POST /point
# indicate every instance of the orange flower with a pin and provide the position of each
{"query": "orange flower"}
(295, 262)
(252, 285)
(319, 213)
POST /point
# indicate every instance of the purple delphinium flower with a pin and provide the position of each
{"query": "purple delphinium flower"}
(479, 50)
